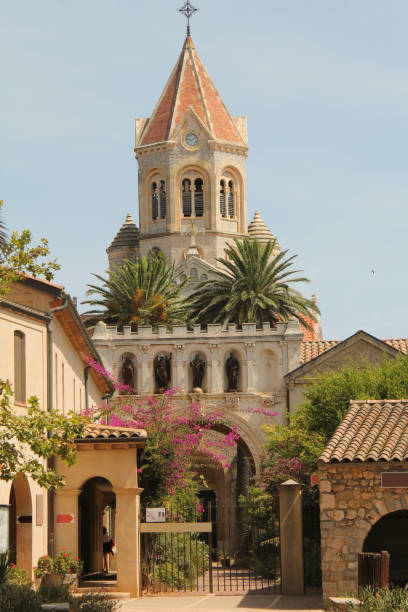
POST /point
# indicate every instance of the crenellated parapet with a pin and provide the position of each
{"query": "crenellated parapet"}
(214, 330)
(264, 356)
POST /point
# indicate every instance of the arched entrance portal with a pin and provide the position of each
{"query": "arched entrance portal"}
(20, 525)
(388, 534)
(225, 485)
(97, 509)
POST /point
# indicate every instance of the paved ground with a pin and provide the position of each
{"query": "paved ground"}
(221, 603)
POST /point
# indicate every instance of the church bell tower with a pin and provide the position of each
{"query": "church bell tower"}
(192, 167)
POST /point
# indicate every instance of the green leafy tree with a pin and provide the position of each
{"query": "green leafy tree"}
(19, 257)
(255, 286)
(27, 439)
(328, 399)
(145, 292)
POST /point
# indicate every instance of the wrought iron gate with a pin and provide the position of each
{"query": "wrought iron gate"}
(232, 549)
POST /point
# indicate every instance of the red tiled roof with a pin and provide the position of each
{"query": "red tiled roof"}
(307, 333)
(372, 430)
(311, 349)
(189, 86)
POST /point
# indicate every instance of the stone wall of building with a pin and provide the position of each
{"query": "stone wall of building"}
(351, 502)
(264, 355)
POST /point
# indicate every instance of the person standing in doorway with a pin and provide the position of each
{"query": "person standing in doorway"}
(107, 549)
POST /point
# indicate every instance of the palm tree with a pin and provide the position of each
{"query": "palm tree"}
(3, 235)
(145, 292)
(254, 287)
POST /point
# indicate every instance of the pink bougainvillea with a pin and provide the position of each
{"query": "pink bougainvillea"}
(167, 464)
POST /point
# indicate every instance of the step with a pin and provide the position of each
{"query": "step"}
(102, 584)
(109, 593)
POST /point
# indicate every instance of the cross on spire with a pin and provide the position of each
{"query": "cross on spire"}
(188, 11)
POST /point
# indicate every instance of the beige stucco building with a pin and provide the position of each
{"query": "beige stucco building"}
(44, 353)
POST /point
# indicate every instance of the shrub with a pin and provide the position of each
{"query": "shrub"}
(4, 567)
(54, 594)
(382, 600)
(94, 602)
(176, 561)
(19, 598)
(64, 563)
(44, 566)
(17, 575)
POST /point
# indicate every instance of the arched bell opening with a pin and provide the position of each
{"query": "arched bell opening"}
(388, 534)
(97, 510)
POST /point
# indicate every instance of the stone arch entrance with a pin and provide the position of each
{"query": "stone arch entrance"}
(97, 505)
(388, 534)
(20, 525)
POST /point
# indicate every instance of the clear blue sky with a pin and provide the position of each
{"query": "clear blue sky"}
(324, 84)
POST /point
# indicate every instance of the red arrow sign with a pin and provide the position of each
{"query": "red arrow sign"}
(65, 518)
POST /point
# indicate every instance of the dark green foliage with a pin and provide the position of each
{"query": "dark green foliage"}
(94, 602)
(19, 598)
(54, 594)
(260, 551)
(382, 600)
(328, 399)
(3, 235)
(255, 286)
(144, 292)
(4, 567)
(176, 560)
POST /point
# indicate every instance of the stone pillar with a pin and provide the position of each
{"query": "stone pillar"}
(215, 369)
(179, 382)
(146, 384)
(291, 538)
(250, 346)
(128, 540)
(66, 531)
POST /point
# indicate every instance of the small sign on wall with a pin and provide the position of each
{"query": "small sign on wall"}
(155, 515)
(394, 480)
(65, 518)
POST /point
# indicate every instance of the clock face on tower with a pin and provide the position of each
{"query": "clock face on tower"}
(191, 139)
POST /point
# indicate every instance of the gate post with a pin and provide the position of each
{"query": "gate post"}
(291, 538)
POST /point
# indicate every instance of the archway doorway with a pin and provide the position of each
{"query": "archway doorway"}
(20, 524)
(388, 534)
(97, 510)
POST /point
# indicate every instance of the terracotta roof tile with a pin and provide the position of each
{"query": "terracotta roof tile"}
(401, 344)
(311, 349)
(372, 430)
(189, 86)
(109, 432)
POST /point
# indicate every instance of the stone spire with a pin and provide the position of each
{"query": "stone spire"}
(258, 229)
(125, 245)
(189, 86)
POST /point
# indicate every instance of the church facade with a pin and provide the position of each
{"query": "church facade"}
(191, 155)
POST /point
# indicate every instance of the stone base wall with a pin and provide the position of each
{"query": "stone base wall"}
(351, 502)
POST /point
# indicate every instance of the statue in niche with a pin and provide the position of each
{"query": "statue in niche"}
(162, 372)
(198, 368)
(128, 373)
(232, 366)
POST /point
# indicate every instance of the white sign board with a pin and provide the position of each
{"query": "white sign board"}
(155, 515)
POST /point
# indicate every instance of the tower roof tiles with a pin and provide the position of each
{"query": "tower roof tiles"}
(190, 86)
(258, 229)
(128, 235)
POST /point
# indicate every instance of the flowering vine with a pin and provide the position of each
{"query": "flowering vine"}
(167, 465)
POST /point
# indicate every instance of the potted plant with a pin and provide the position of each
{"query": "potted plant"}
(63, 569)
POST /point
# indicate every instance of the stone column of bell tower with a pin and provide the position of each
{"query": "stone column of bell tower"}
(192, 167)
